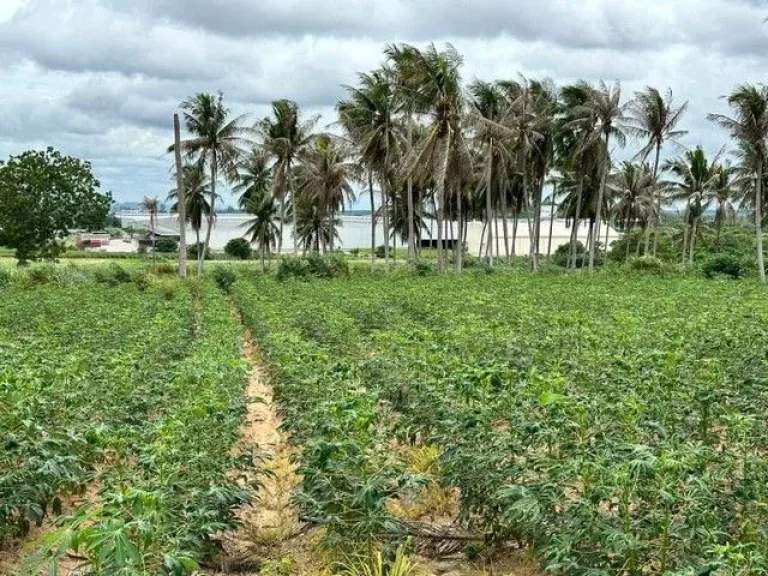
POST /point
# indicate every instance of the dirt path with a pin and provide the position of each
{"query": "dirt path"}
(270, 534)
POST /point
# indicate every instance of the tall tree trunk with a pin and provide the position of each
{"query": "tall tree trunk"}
(181, 198)
(333, 229)
(759, 219)
(482, 236)
(289, 180)
(685, 229)
(551, 221)
(373, 218)
(496, 231)
(385, 218)
(577, 218)
(211, 215)
(515, 223)
(458, 242)
(657, 217)
(261, 255)
(600, 196)
(607, 232)
(488, 203)
(282, 219)
(537, 201)
(197, 236)
(590, 235)
(504, 224)
(717, 242)
(411, 232)
(627, 231)
(442, 171)
(694, 230)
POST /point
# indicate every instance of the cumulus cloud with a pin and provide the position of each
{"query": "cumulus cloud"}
(101, 78)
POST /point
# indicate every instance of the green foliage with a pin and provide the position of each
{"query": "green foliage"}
(649, 265)
(561, 254)
(381, 251)
(166, 246)
(224, 276)
(313, 266)
(238, 248)
(193, 251)
(728, 265)
(43, 195)
(617, 432)
(135, 392)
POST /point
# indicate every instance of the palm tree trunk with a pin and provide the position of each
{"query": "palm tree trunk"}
(373, 218)
(488, 202)
(289, 181)
(443, 170)
(657, 218)
(590, 235)
(282, 218)
(261, 253)
(333, 229)
(515, 223)
(627, 231)
(685, 229)
(551, 221)
(505, 227)
(717, 242)
(600, 195)
(759, 219)
(482, 236)
(695, 228)
(458, 242)
(537, 221)
(411, 231)
(607, 232)
(181, 198)
(211, 216)
(577, 218)
(385, 219)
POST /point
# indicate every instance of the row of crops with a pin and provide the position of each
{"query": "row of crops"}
(132, 395)
(612, 425)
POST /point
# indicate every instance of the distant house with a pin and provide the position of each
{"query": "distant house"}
(92, 240)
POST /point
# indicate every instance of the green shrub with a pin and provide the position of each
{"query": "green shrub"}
(225, 277)
(194, 249)
(561, 254)
(313, 266)
(5, 277)
(238, 248)
(424, 268)
(162, 269)
(728, 265)
(166, 246)
(355, 252)
(648, 264)
(291, 267)
(142, 249)
(381, 251)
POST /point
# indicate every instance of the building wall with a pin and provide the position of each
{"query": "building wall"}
(355, 232)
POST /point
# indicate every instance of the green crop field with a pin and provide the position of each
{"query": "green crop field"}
(134, 392)
(614, 425)
(605, 424)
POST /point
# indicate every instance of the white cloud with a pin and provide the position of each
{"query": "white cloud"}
(101, 78)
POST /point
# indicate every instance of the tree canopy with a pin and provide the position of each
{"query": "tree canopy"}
(44, 195)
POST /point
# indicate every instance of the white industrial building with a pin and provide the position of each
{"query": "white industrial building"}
(355, 231)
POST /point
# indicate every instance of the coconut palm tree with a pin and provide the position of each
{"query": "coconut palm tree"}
(654, 118)
(487, 108)
(326, 174)
(197, 192)
(284, 136)
(749, 126)
(578, 154)
(635, 189)
(254, 178)
(433, 82)
(151, 205)
(723, 194)
(605, 109)
(314, 228)
(368, 117)
(694, 177)
(262, 229)
(216, 142)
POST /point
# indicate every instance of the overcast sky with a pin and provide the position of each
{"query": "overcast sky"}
(100, 79)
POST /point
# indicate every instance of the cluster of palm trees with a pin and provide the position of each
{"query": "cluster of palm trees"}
(427, 146)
